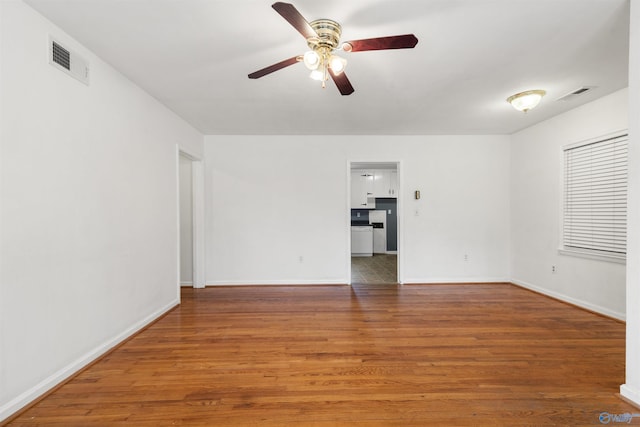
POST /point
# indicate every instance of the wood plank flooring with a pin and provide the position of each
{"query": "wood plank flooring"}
(411, 355)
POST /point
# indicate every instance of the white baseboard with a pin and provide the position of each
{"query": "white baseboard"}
(580, 303)
(630, 393)
(190, 284)
(448, 280)
(19, 402)
(275, 282)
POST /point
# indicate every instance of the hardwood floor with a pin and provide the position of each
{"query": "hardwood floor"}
(363, 355)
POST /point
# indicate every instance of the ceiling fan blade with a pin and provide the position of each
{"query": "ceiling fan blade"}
(343, 83)
(406, 41)
(275, 67)
(293, 17)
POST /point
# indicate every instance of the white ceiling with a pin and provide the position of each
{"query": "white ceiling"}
(194, 56)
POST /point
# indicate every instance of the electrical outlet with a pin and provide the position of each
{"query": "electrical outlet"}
(466, 257)
(553, 269)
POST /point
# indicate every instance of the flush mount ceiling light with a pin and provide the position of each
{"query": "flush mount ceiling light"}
(525, 101)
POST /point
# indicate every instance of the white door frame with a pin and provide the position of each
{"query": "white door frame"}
(399, 207)
(197, 212)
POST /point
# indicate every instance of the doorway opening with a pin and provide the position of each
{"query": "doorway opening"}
(374, 237)
(190, 182)
(186, 221)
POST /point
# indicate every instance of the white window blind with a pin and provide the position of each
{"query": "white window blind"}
(595, 197)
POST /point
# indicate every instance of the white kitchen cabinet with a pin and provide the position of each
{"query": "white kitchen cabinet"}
(385, 183)
(362, 240)
(357, 191)
(362, 196)
(381, 182)
(393, 184)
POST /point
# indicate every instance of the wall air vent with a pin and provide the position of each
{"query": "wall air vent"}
(575, 93)
(69, 62)
(61, 56)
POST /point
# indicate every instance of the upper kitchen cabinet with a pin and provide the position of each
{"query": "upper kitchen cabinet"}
(362, 196)
(385, 183)
(393, 184)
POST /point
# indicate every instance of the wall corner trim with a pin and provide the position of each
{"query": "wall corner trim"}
(287, 282)
(29, 396)
(454, 280)
(631, 394)
(573, 301)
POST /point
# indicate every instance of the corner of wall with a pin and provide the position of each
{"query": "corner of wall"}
(631, 389)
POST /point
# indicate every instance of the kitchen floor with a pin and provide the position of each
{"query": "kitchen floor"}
(377, 269)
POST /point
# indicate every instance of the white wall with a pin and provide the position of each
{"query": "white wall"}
(89, 209)
(272, 199)
(631, 388)
(536, 191)
(186, 223)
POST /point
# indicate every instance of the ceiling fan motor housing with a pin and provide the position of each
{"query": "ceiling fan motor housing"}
(329, 33)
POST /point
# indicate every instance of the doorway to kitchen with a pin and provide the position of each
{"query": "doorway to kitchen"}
(374, 238)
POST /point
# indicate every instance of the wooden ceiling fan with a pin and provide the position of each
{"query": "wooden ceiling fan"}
(323, 38)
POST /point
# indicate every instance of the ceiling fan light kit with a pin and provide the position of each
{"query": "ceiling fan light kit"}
(321, 58)
(323, 38)
(525, 101)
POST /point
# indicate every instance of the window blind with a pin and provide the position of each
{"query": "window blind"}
(595, 196)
